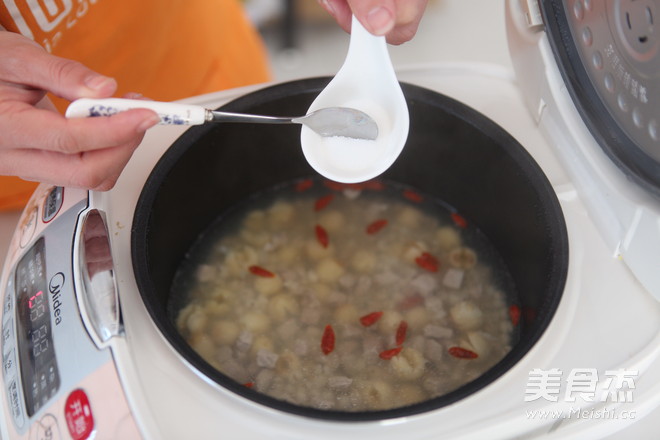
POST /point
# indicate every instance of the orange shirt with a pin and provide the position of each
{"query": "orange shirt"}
(163, 49)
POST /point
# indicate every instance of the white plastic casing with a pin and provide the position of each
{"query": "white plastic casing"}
(627, 216)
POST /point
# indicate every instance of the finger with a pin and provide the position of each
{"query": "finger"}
(96, 170)
(25, 62)
(377, 16)
(42, 129)
(408, 17)
(341, 12)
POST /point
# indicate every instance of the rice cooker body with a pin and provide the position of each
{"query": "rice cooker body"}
(453, 153)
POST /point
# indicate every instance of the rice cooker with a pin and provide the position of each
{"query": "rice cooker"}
(562, 181)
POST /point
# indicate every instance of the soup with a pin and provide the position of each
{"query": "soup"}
(346, 297)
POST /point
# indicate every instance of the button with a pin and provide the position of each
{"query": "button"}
(7, 336)
(587, 37)
(53, 203)
(79, 417)
(27, 228)
(9, 365)
(8, 303)
(608, 80)
(597, 60)
(637, 117)
(51, 374)
(653, 130)
(15, 404)
(46, 429)
(622, 102)
(578, 10)
(587, 5)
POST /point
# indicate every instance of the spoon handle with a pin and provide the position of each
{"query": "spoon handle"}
(170, 113)
(216, 116)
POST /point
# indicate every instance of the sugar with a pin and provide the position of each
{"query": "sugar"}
(347, 159)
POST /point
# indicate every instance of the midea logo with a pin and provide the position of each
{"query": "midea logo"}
(55, 287)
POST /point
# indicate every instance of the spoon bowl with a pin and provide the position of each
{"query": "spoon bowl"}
(366, 82)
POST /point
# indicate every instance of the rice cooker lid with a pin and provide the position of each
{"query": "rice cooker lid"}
(608, 53)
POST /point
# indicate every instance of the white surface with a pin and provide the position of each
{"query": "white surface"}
(456, 30)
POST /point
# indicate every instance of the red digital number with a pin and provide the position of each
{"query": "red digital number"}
(33, 300)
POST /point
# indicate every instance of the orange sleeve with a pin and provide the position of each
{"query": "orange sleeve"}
(14, 192)
(163, 50)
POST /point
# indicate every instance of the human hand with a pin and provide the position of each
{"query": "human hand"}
(38, 143)
(398, 20)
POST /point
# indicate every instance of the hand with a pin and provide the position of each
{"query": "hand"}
(398, 20)
(38, 143)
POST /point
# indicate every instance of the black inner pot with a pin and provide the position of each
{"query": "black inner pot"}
(452, 153)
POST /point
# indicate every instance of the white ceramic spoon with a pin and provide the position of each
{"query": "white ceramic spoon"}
(366, 82)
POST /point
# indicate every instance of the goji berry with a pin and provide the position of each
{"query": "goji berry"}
(412, 196)
(459, 220)
(428, 262)
(462, 353)
(248, 384)
(304, 185)
(514, 314)
(370, 318)
(322, 202)
(401, 332)
(389, 354)
(376, 226)
(322, 236)
(261, 272)
(328, 340)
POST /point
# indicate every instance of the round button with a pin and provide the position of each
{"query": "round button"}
(653, 130)
(578, 10)
(609, 82)
(78, 415)
(46, 429)
(587, 36)
(622, 102)
(597, 60)
(587, 5)
(52, 203)
(637, 117)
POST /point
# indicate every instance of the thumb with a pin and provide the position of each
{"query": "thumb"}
(377, 16)
(29, 64)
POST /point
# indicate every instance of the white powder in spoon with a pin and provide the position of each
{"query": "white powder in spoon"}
(352, 160)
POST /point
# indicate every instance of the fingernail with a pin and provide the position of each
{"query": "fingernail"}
(380, 20)
(133, 95)
(149, 122)
(97, 82)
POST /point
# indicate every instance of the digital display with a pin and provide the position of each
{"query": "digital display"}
(36, 352)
